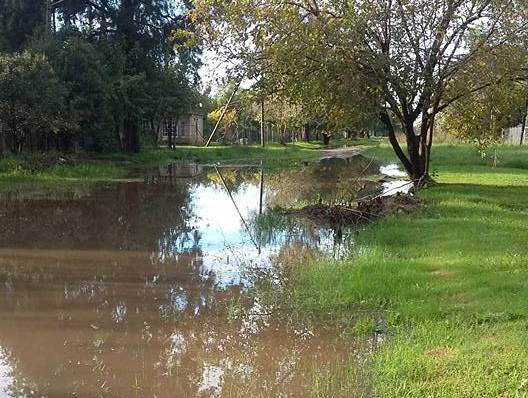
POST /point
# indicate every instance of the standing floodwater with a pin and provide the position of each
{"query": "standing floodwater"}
(136, 289)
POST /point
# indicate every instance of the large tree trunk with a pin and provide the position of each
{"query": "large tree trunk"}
(127, 30)
(153, 132)
(416, 160)
(170, 138)
(131, 134)
(523, 128)
(2, 141)
(326, 138)
(414, 151)
(306, 133)
(429, 142)
(19, 144)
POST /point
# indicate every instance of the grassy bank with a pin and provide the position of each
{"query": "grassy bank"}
(447, 286)
(48, 172)
(14, 177)
(271, 154)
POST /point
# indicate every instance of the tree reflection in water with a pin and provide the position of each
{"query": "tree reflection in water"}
(123, 292)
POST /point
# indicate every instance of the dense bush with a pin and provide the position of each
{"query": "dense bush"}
(110, 70)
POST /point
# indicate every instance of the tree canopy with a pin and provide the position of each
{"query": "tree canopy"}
(120, 66)
(31, 98)
(404, 61)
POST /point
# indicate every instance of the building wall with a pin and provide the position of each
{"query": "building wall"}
(512, 135)
(188, 129)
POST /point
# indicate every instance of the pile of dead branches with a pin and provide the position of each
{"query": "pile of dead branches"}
(367, 210)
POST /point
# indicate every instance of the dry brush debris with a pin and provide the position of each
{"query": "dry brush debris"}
(366, 210)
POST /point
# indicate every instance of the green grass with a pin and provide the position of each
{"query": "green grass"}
(271, 154)
(448, 285)
(36, 172)
(40, 173)
(15, 176)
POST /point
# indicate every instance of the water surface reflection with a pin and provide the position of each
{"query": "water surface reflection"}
(137, 289)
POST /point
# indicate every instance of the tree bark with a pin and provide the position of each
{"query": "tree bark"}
(131, 134)
(170, 139)
(416, 162)
(430, 136)
(523, 128)
(413, 150)
(385, 119)
(306, 133)
(326, 138)
(2, 142)
(153, 132)
(127, 29)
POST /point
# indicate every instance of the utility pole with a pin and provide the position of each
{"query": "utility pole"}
(223, 113)
(262, 120)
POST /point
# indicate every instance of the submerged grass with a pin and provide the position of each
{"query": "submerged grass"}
(337, 381)
(447, 285)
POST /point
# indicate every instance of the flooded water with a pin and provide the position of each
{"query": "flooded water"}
(139, 289)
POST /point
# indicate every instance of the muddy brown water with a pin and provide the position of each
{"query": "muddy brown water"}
(139, 289)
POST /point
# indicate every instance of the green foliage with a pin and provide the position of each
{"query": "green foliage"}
(82, 68)
(481, 116)
(452, 157)
(338, 381)
(242, 118)
(116, 65)
(41, 173)
(16, 175)
(19, 20)
(84, 171)
(364, 326)
(450, 281)
(31, 98)
(272, 155)
(347, 64)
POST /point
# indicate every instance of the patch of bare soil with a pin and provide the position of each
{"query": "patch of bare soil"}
(441, 353)
(365, 211)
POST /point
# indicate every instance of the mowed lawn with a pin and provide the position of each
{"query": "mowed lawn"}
(447, 286)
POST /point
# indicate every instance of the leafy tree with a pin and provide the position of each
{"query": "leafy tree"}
(19, 19)
(142, 50)
(241, 119)
(81, 67)
(120, 62)
(483, 116)
(400, 60)
(119, 66)
(31, 99)
(169, 96)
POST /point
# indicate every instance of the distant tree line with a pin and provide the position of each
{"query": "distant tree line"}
(283, 120)
(91, 74)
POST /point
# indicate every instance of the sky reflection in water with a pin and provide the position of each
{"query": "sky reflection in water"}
(135, 289)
